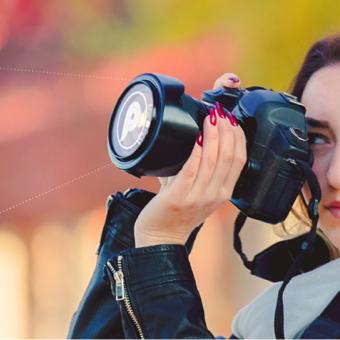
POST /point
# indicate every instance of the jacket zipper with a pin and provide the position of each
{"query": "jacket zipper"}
(122, 293)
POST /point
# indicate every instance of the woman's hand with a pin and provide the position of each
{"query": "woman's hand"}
(225, 80)
(206, 180)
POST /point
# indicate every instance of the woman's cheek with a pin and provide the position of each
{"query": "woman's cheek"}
(317, 169)
(320, 168)
(328, 224)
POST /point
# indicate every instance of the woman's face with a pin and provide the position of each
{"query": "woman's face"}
(322, 100)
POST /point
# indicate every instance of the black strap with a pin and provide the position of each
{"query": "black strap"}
(273, 263)
(239, 223)
(306, 245)
(305, 248)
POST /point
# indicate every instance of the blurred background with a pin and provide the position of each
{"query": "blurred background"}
(62, 66)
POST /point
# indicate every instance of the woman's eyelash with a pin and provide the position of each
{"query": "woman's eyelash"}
(313, 136)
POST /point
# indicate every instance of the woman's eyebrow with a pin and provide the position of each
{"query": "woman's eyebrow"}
(317, 123)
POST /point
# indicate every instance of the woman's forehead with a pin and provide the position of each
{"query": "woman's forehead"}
(322, 95)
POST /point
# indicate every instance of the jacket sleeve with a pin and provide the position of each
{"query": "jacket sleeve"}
(98, 315)
(159, 298)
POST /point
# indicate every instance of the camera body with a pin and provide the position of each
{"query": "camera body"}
(276, 133)
(154, 126)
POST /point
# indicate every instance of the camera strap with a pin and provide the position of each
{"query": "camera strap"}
(305, 246)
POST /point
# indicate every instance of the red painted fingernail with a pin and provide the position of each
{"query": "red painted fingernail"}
(232, 119)
(212, 117)
(199, 139)
(234, 79)
(220, 110)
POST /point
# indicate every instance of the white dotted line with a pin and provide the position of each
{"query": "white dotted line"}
(55, 73)
(58, 187)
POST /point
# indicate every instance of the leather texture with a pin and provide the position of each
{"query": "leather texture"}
(273, 263)
(159, 283)
(162, 293)
(98, 314)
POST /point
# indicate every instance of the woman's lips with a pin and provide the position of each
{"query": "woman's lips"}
(335, 211)
(334, 208)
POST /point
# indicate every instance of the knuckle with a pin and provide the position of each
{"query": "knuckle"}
(227, 146)
(240, 134)
(217, 84)
(226, 75)
(210, 162)
(210, 199)
(224, 80)
(190, 204)
(230, 129)
(244, 156)
(223, 126)
(188, 172)
(175, 206)
(227, 157)
(212, 135)
(224, 194)
(219, 80)
(241, 161)
(195, 155)
(241, 157)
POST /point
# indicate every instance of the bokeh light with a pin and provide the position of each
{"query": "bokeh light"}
(62, 65)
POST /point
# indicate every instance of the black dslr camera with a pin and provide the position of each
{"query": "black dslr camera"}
(154, 126)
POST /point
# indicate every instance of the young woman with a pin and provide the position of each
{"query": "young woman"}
(147, 237)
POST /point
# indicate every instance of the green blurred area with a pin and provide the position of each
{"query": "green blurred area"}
(273, 36)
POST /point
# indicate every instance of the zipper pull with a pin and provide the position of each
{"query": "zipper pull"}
(120, 290)
(119, 278)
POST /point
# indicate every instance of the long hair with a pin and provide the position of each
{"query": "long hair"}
(324, 52)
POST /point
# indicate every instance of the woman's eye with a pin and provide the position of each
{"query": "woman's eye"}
(317, 139)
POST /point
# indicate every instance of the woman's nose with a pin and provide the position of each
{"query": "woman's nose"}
(333, 172)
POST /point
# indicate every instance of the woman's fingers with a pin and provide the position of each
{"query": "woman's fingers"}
(225, 158)
(227, 80)
(239, 160)
(209, 156)
(210, 164)
(183, 181)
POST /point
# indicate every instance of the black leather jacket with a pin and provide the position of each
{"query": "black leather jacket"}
(150, 292)
(100, 315)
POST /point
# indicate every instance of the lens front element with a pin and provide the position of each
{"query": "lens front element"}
(132, 120)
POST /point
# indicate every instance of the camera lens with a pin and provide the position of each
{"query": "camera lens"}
(132, 120)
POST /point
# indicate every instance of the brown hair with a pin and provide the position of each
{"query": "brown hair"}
(323, 52)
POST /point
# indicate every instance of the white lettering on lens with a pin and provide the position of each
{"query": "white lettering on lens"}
(131, 119)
